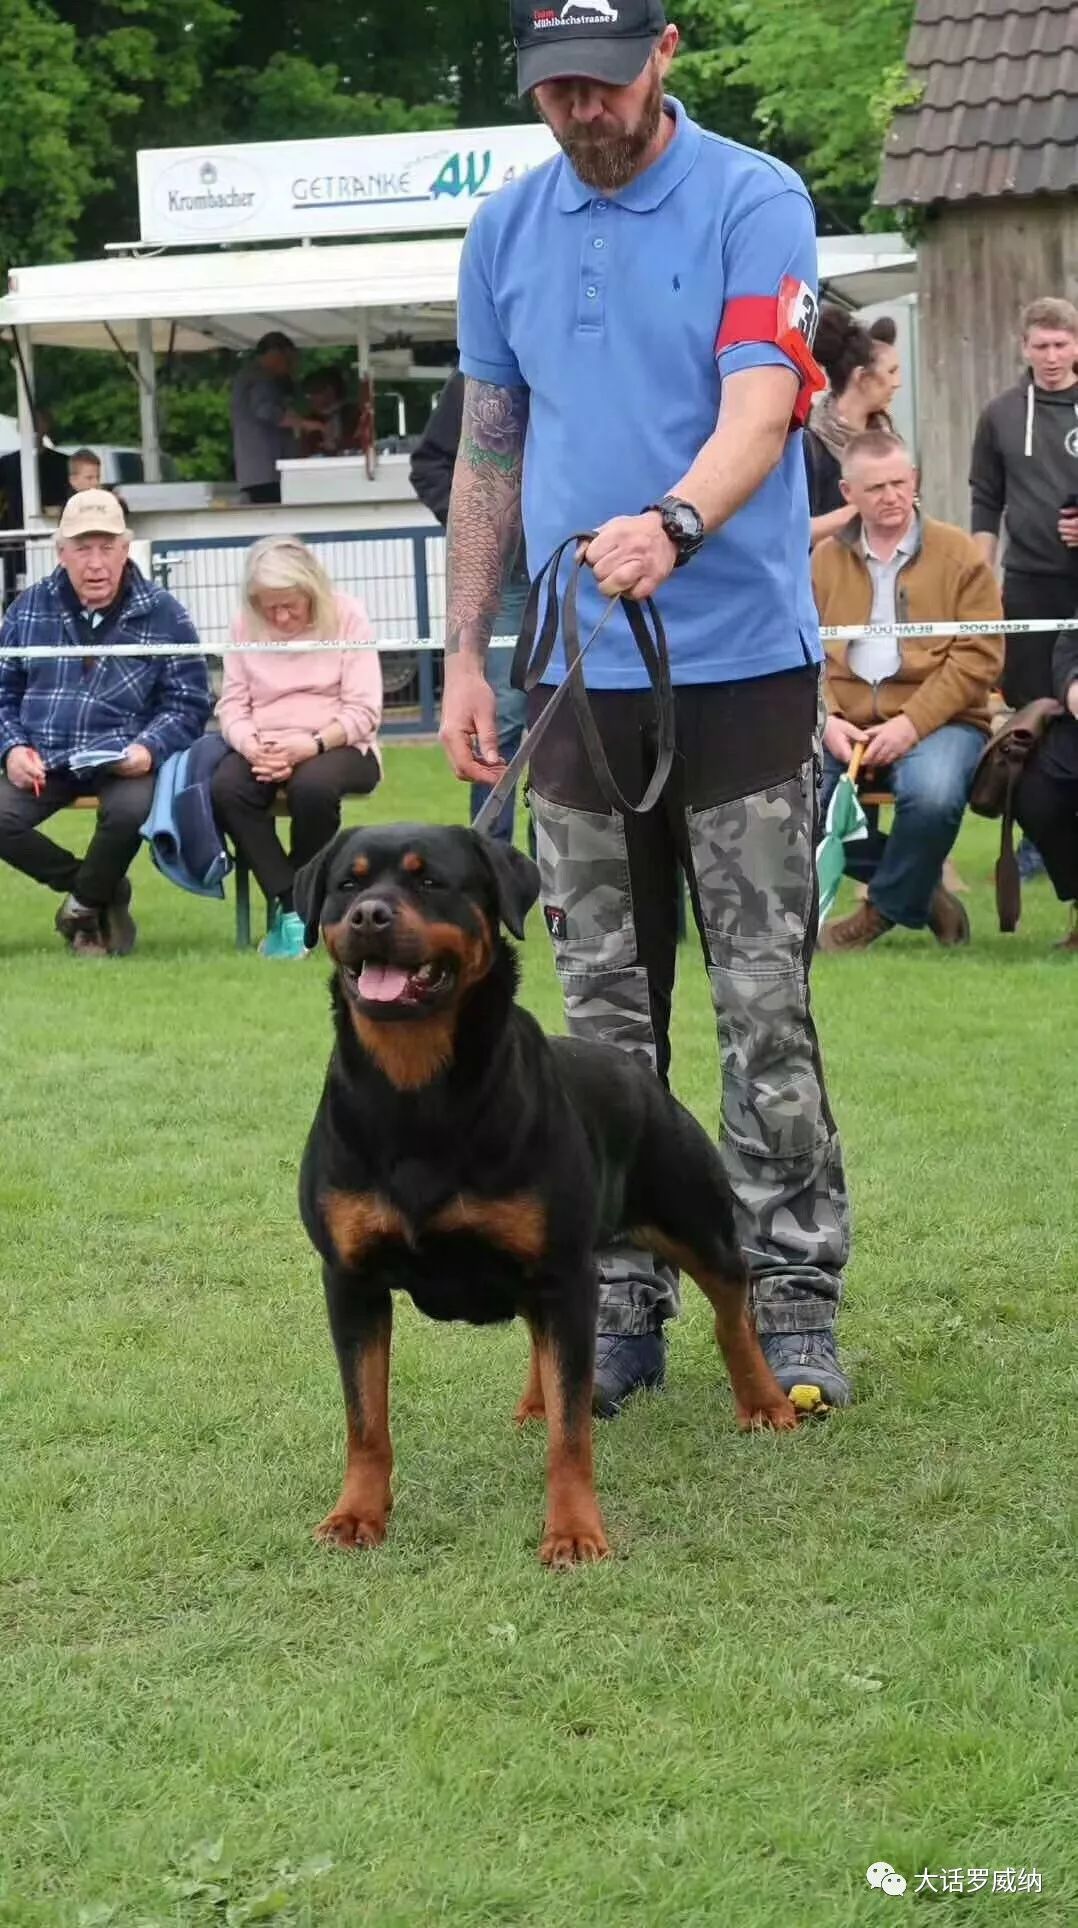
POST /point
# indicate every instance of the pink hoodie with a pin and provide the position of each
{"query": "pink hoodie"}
(301, 690)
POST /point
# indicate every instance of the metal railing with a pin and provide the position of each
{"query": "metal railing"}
(397, 574)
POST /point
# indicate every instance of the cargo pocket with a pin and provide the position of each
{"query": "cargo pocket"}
(587, 902)
(754, 866)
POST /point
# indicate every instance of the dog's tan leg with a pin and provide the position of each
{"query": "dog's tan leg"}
(362, 1511)
(574, 1525)
(531, 1405)
(759, 1400)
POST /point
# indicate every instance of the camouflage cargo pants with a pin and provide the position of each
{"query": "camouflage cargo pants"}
(737, 819)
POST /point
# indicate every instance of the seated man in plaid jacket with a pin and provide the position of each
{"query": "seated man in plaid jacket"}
(97, 724)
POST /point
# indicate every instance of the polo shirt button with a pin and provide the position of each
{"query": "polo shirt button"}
(600, 207)
(591, 293)
(598, 242)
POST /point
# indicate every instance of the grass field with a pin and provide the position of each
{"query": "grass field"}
(811, 1653)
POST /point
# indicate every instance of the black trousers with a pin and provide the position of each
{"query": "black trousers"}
(243, 806)
(1027, 669)
(124, 806)
(1047, 809)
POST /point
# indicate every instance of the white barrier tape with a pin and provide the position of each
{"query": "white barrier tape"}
(408, 645)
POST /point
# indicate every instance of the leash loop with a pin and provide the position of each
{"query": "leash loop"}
(531, 659)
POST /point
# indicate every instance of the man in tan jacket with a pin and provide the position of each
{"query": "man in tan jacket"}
(919, 705)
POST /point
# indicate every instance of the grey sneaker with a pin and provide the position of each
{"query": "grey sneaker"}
(626, 1362)
(807, 1359)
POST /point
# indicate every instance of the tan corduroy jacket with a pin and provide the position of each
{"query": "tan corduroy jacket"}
(941, 679)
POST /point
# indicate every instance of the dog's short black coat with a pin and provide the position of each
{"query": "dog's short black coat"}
(462, 1156)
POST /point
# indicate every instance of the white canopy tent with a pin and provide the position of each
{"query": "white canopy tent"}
(374, 295)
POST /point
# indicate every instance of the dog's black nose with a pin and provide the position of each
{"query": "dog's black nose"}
(371, 914)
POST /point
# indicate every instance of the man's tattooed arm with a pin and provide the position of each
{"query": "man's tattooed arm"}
(484, 512)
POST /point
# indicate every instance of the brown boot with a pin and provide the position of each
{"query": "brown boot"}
(947, 918)
(856, 932)
(1070, 942)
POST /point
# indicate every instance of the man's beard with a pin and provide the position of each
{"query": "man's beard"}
(609, 161)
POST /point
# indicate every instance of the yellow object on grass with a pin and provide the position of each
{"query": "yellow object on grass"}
(808, 1399)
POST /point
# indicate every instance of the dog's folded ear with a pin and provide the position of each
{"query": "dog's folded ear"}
(309, 888)
(516, 879)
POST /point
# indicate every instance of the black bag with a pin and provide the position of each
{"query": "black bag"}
(992, 791)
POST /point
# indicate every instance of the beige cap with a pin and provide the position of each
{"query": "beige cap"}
(92, 512)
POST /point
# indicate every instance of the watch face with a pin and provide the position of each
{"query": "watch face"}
(684, 518)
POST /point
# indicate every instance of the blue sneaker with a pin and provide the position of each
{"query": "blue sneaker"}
(285, 937)
(807, 1359)
(626, 1362)
(1030, 861)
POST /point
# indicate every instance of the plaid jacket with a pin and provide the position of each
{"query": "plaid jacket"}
(94, 703)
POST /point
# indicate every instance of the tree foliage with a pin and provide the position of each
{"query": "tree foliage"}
(824, 79)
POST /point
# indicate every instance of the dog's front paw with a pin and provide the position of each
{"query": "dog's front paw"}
(777, 1416)
(346, 1529)
(579, 1545)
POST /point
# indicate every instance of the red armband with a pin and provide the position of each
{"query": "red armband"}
(788, 321)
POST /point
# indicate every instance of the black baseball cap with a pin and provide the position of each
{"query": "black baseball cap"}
(596, 39)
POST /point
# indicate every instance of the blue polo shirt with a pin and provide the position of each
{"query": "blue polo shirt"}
(607, 308)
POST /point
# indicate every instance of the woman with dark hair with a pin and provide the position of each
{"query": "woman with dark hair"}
(862, 367)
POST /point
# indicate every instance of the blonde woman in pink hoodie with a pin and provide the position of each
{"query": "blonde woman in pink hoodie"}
(305, 720)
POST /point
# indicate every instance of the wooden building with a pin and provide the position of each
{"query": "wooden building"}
(988, 158)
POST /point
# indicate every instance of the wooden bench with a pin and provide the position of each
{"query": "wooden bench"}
(241, 873)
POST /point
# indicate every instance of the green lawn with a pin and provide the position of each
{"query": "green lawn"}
(810, 1653)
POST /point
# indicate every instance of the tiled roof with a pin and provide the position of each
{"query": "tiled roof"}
(998, 109)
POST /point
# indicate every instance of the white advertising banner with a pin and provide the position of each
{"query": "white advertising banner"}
(376, 184)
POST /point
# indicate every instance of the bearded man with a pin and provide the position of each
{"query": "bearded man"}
(635, 319)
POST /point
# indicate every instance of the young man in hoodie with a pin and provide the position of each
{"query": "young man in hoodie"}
(1025, 468)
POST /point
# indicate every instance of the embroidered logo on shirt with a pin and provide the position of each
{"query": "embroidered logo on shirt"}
(591, 13)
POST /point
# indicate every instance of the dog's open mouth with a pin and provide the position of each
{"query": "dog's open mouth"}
(390, 984)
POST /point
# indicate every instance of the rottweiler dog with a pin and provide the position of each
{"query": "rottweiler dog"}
(460, 1155)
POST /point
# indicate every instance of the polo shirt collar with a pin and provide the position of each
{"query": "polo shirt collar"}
(909, 545)
(651, 188)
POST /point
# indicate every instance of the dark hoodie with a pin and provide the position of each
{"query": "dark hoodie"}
(1025, 465)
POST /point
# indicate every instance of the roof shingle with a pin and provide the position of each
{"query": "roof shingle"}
(998, 111)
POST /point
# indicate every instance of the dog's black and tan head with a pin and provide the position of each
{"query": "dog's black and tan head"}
(410, 914)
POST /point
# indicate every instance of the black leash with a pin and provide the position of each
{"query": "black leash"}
(528, 670)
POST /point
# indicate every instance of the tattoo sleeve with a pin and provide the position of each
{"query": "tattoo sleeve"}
(484, 512)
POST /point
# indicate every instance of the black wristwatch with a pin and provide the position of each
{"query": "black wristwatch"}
(321, 749)
(682, 523)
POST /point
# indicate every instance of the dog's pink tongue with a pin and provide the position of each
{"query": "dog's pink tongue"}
(381, 983)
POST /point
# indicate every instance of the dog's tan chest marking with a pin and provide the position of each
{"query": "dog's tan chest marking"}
(357, 1221)
(517, 1224)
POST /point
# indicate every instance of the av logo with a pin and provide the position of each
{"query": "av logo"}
(461, 174)
(1071, 442)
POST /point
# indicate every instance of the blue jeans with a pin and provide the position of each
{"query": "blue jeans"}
(512, 705)
(930, 785)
